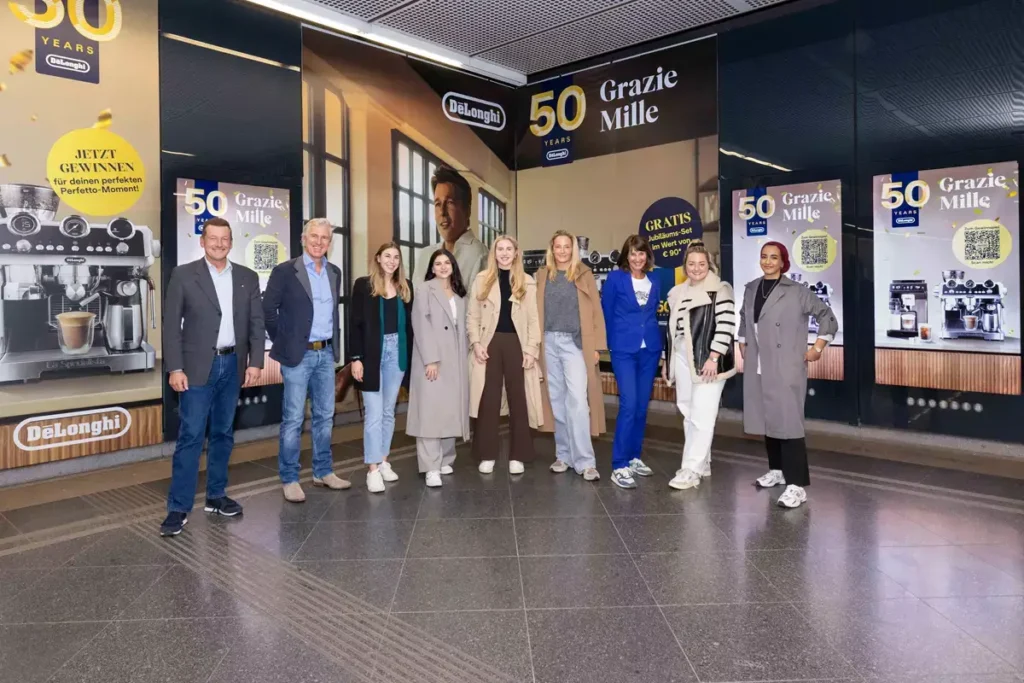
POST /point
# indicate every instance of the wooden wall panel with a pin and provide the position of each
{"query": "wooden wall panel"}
(979, 372)
(829, 367)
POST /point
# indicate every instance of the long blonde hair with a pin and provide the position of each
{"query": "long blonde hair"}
(517, 276)
(378, 284)
(575, 268)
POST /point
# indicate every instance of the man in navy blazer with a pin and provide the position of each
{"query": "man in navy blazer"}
(300, 308)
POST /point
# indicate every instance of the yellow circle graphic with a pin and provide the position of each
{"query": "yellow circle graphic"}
(264, 252)
(982, 243)
(96, 172)
(814, 251)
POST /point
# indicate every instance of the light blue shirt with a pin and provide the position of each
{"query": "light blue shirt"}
(223, 283)
(323, 303)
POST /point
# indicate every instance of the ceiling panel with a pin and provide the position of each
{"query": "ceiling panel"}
(364, 9)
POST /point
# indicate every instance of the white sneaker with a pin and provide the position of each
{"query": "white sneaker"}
(685, 479)
(486, 466)
(515, 467)
(558, 466)
(638, 467)
(375, 482)
(385, 471)
(433, 479)
(773, 478)
(591, 474)
(623, 478)
(792, 497)
(447, 469)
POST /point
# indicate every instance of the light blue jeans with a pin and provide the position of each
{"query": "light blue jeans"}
(567, 389)
(313, 377)
(379, 424)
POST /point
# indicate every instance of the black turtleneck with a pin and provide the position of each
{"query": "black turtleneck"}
(505, 323)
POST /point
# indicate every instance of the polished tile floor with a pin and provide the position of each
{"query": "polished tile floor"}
(891, 573)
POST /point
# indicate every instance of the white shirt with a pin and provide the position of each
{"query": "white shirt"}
(455, 310)
(642, 290)
(223, 283)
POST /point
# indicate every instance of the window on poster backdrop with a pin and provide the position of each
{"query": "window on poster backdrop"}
(260, 219)
(807, 219)
(947, 309)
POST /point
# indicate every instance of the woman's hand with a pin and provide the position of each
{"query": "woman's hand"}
(812, 355)
(431, 371)
(710, 370)
(357, 370)
(528, 361)
(743, 350)
(480, 354)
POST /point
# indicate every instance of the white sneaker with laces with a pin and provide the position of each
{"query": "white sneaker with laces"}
(386, 472)
(558, 466)
(433, 479)
(375, 482)
(486, 466)
(638, 467)
(447, 469)
(685, 479)
(515, 467)
(772, 479)
(623, 478)
(591, 474)
(792, 497)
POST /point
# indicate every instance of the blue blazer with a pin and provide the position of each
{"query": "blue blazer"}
(626, 322)
(288, 311)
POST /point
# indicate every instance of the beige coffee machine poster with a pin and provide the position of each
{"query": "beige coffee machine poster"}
(947, 278)
(79, 205)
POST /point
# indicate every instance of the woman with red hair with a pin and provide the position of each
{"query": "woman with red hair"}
(773, 340)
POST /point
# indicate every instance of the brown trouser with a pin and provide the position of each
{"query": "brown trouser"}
(504, 367)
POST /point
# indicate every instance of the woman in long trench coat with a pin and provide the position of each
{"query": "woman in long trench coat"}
(773, 339)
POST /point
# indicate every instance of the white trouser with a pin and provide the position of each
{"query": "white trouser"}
(698, 402)
(432, 454)
(567, 389)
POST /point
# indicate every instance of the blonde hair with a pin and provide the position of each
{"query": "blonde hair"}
(697, 247)
(575, 268)
(517, 276)
(378, 284)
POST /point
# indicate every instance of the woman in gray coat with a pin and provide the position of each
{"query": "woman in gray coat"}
(439, 369)
(773, 340)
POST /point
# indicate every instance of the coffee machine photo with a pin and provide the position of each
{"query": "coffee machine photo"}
(822, 290)
(75, 297)
(971, 310)
(908, 308)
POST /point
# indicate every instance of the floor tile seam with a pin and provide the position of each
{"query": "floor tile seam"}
(312, 527)
(823, 634)
(510, 557)
(1000, 570)
(1013, 667)
(220, 661)
(522, 583)
(167, 570)
(650, 592)
(967, 549)
(85, 646)
(3, 518)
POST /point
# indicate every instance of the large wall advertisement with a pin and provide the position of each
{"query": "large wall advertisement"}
(79, 229)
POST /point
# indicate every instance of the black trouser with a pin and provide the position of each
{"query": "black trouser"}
(504, 368)
(790, 456)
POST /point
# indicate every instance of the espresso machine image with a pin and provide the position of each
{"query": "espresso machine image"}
(908, 308)
(75, 297)
(970, 309)
(822, 290)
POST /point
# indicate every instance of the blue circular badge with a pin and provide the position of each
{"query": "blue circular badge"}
(669, 225)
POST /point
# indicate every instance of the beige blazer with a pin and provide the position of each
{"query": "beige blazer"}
(481, 322)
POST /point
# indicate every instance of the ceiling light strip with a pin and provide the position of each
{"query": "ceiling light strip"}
(754, 160)
(229, 51)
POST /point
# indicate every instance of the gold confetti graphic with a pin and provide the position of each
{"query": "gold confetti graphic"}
(19, 61)
(104, 120)
(3, 86)
(4, 161)
(34, 117)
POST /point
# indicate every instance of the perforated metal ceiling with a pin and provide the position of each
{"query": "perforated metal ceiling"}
(529, 36)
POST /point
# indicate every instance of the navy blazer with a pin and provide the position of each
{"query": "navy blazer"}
(627, 323)
(288, 310)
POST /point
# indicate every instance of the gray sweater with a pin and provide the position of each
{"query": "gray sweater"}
(562, 308)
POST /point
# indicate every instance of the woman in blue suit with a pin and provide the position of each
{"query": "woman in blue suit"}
(630, 302)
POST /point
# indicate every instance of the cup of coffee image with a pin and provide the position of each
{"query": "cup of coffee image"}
(926, 332)
(970, 322)
(909, 322)
(75, 332)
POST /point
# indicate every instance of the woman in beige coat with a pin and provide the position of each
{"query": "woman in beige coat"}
(572, 322)
(504, 337)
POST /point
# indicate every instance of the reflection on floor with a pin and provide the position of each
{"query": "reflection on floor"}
(891, 573)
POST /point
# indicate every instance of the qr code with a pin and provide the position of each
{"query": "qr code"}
(982, 245)
(815, 251)
(264, 256)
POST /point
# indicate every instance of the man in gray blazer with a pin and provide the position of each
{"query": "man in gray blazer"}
(213, 335)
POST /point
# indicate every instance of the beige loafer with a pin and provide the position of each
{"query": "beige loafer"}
(333, 482)
(293, 493)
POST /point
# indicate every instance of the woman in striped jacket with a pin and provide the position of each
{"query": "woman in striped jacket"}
(700, 356)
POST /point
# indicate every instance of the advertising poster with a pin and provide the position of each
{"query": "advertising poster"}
(260, 219)
(79, 216)
(947, 278)
(807, 218)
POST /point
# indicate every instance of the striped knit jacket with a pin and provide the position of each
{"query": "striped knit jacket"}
(684, 298)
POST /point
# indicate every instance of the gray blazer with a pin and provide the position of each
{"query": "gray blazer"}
(773, 401)
(192, 321)
(438, 409)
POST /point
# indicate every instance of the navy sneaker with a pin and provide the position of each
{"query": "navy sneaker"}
(174, 523)
(223, 506)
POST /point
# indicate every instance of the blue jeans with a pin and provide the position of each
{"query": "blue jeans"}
(567, 389)
(379, 424)
(212, 404)
(313, 377)
(634, 373)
